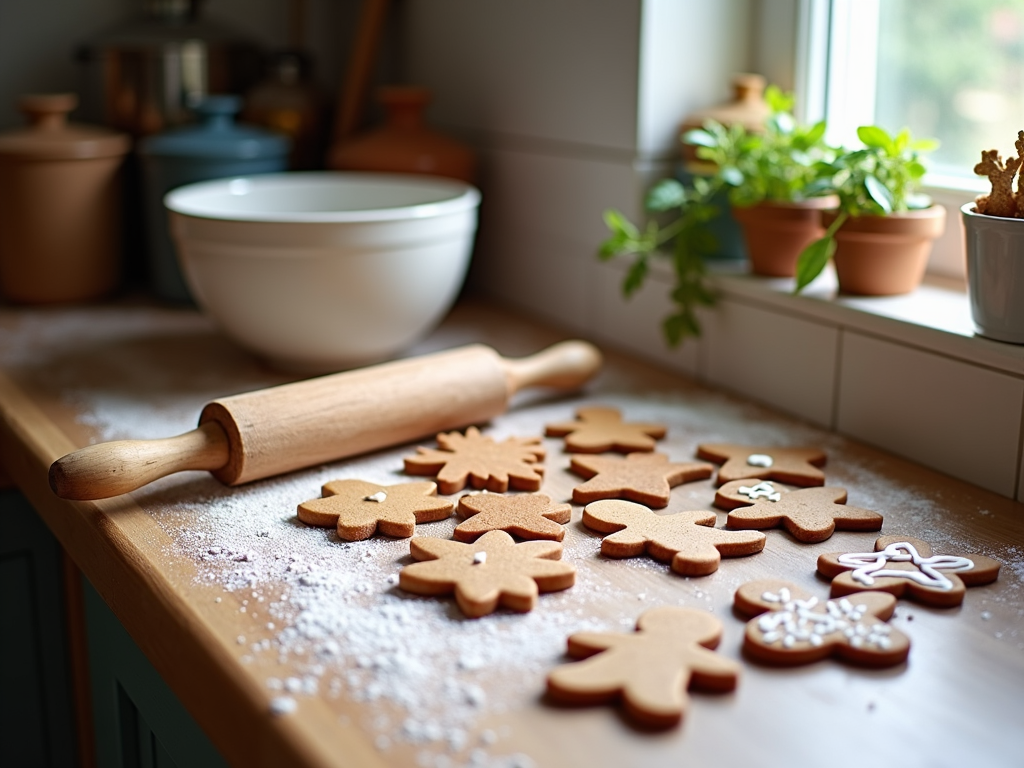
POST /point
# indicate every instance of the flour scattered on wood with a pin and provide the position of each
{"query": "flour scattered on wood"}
(327, 617)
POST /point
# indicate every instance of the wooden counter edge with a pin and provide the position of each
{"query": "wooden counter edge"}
(194, 662)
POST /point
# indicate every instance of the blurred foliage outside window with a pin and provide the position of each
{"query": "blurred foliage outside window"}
(952, 69)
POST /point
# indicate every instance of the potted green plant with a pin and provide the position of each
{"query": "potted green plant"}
(774, 182)
(994, 244)
(881, 233)
(774, 176)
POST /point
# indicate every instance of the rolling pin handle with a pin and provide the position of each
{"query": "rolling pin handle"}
(110, 469)
(566, 365)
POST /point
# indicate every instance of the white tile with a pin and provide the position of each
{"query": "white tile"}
(774, 358)
(954, 417)
(634, 324)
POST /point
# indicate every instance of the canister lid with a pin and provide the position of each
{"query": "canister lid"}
(217, 136)
(49, 135)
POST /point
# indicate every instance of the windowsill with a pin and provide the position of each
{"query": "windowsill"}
(936, 317)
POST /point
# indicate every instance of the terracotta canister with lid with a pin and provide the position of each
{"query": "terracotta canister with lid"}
(60, 205)
(405, 144)
(215, 148)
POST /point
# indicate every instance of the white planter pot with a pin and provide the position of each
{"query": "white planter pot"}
(995, 274)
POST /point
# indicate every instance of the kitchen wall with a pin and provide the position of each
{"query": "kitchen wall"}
(575, 107)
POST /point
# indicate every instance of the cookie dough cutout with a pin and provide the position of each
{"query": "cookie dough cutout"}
(809, 514)
(646, 478)
(528, 516)
(793, 627)
(481, 462)
(688, 540)
(359, 509)
(796, 466)
(492, 571)
(651, 669)
(599, 429)
(905, 567)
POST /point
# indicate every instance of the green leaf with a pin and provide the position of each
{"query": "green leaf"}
(665, 195)
(731, 176)
(700, 138)
(618, 223)
(873, 136)
(880, 193)
(925, 145)
(916, 169)
(812, 260)
(635, 277)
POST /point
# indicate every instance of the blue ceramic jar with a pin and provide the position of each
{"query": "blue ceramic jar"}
(213, 149)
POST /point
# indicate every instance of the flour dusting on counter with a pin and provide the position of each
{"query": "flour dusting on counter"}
(331, 616)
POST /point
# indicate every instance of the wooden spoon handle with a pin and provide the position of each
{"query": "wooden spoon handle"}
(109, 469)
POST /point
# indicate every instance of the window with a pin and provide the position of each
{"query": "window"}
(949, 69)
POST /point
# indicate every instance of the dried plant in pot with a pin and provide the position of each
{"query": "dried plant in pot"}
(773, 177)
(994, 244)
(881, 233)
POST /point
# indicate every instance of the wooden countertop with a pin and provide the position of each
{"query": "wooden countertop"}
(237, 604)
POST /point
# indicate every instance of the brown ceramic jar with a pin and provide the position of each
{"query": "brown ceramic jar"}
(60, 205)
(404, 144)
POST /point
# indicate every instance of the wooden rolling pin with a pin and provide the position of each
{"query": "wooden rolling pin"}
(268, 432)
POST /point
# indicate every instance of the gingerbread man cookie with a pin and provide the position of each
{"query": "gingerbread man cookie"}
(809, 514)
(528, 516)
(906, 567)
(794, 627)
(688, 540)
(651, 669)
(646, 478)
(359, 509)
(492, 571)
(796, 466)
(600, 429)
(480, 461)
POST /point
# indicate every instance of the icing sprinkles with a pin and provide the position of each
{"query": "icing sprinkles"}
(763, 490)
(871, 565)
(796, 621)
(759, 460)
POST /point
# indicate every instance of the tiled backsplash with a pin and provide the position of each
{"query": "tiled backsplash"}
(937, 395)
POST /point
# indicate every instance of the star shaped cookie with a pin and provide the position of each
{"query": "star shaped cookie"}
(794, 627)
(650, 669)
(481, 462)
(491, 571)
(646, 478)
(688, 540)
(359, 509)
(809, 514)
(528, 516)
(796, 466)
(599, 429)
(905, 567)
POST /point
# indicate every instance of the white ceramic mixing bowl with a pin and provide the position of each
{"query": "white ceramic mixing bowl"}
(324, 271)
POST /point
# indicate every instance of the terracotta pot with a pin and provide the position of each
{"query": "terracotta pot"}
(60, 206)
(885, 255)
(776, 233)
(404, 144)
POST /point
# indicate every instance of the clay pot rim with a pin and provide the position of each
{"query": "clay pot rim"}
(922, 222)
(814, 203)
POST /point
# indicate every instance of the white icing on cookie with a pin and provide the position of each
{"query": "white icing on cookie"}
(763, 490)
(871, 565)
(796, 621)
(759, 460)
(378, 497)
(479, 558)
